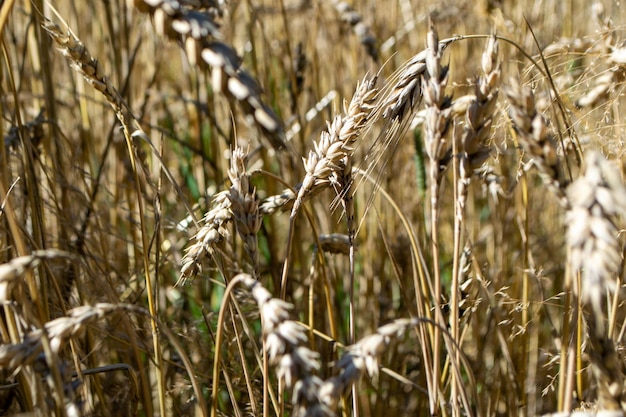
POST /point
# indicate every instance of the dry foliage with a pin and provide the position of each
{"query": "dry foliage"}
(332, 208)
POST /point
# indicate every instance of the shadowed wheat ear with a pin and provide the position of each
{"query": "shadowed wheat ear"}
(361, 358)
(17, 267)
(535, 137)
(239, 205)
(199, 33)
(57, 331)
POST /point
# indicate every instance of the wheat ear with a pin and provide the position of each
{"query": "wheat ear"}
(535, 137)
(359, 28)
(284, 344)
(596, 199)
(244, 206)
(199, 33)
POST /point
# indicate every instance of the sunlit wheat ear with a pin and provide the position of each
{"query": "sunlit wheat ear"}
(285, 345)
(199, 33)
(274, 203)
(337, 143)
(361, 358)
(535, 137)
(595, 199)
(433, 86)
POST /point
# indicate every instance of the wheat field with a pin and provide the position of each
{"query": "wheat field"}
(325, 208)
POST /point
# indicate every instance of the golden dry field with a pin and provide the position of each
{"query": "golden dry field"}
(312, 208)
